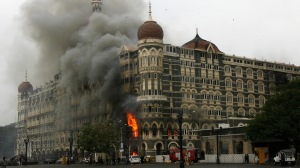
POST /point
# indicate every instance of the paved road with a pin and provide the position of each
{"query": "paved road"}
(156, 166)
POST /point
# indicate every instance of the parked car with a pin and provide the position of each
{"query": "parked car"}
(49, 161)
(86, 160)
(14, 161)
(59, 161)
(288, 155)
(134, 159)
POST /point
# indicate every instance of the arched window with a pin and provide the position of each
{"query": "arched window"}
(241, 112)
(217, 95)
(249, 73)
(261, 87)
(152, 60)
(229, 98)
(227, 69)
(261, 101)
(204, 109)
(240, 99)
(204, 95)
(230, 111)
(211, 111)
(250, 86)
(193, 94)
(228, 83)
(251, 100)
(238, 72)
(188, 94)
(239, 84)
(146, 130)
(183, 92)
(154, 130)
(218, 111)
(211, 95)
(260, 74)
(252, 112)
(185, 129)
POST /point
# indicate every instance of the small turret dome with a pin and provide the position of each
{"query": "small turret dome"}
(25, 87)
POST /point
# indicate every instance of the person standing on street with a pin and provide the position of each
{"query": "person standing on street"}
(4, 162)
(246, 158)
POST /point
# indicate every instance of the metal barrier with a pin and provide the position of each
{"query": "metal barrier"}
(228, 158)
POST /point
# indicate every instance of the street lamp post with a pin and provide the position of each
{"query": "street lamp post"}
(71, 144)
(26, 140)
(121, 138)
(181, 162)
(121, 142)
(217, 139)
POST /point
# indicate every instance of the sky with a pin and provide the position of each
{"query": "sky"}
(264, 30)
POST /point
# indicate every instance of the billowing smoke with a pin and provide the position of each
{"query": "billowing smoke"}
(82, 45)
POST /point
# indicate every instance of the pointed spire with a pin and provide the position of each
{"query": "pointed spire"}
(150, 12)
(196, 30)
(26, 76)
(97, 5)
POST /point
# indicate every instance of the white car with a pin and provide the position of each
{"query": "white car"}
(134, 159)
(288, 155)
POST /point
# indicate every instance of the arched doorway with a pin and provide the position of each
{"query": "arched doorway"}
(240, 147)
(207, 148)
(158, 149)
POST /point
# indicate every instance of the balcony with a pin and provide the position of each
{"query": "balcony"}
(152, 97)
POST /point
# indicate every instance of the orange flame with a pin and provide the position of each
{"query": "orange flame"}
(134, 153)
(131, 120)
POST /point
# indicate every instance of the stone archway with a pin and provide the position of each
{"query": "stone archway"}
(207, 148)
(159, 148)
(240, 147)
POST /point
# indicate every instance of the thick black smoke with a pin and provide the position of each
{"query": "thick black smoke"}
(82, 45)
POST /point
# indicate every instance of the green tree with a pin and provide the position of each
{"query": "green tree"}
(280, 118)
(105, 136)
(98, 137)
(86, 138)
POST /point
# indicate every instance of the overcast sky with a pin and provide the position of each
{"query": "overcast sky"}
(260, 29)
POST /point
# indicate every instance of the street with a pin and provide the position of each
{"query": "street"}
(157, 166)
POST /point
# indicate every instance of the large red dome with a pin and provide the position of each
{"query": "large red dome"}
(150, 29)
(25, 87)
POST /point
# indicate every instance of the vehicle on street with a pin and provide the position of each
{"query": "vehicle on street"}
(86, 160)
(49, 161)
(134, 159)
(59, 161)
(285, 157)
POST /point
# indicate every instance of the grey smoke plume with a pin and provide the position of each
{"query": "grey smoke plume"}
(82, 45)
